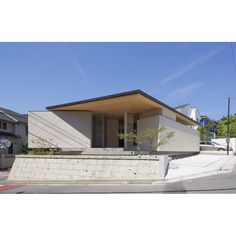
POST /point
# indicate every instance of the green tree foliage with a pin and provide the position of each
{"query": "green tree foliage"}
(151, 138)
(222, 127)
(24, 147)
(207, 130)
(204, 134)
(211, 126)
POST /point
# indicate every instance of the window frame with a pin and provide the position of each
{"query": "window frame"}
(4, 126)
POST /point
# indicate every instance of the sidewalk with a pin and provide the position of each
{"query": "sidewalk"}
(199, 166)
(4, 174)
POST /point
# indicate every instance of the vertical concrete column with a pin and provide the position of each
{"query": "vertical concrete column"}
(163, 166)
(91, 129)
(125, 129)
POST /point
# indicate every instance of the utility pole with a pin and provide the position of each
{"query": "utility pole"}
(228, 134)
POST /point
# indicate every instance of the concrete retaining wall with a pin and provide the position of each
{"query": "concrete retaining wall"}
(6, 161)
(82, 167)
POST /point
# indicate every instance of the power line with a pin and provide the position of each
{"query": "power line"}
(234, 60)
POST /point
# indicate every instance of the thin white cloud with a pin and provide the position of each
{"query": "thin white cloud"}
(185, 90)
(78, 65)
(191, 65)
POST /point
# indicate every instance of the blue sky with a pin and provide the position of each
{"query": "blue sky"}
(36, 75)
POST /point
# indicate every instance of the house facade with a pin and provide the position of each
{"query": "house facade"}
(14, 128)
(95, 123)
(191, 112)
(206, 121)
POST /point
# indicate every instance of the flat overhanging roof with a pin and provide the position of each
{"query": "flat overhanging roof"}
(115, 105)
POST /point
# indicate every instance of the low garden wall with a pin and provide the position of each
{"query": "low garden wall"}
(6, 161)
(85, 167)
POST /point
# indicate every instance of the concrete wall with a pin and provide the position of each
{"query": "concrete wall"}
(147, 123)
(151, 113)
(82, 167)
(112, 128)
(60, 129)
(144, 124)
(6, 161)
(222, 141)
(168, 115)
(185, 138)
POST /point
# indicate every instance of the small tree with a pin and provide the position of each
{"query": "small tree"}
(204, 136)
(151, 138)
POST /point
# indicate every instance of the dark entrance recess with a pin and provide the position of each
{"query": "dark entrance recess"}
(10, 149)
(121, 131)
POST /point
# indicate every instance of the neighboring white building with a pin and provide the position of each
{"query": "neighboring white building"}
(191, 112)
(95, 123)
(13, 127)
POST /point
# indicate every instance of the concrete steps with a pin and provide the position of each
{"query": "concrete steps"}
(96, 151)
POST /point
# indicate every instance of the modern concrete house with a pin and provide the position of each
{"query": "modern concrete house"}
(13, 127)
(95, 123)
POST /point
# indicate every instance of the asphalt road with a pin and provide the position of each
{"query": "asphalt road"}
(222, 183)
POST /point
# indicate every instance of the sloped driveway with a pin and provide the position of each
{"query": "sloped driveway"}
(199, 165)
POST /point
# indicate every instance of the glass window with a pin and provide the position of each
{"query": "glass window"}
(216, 143)
(4, 125)
(209, 143)
(0, 125)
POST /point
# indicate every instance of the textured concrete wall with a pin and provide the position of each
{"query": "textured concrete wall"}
(222, 141)
(167, 114)
(62, 129)
(81, 167)
(144, 124)
(151, 113)
(185, 138)
(163, 165)
(6, 161)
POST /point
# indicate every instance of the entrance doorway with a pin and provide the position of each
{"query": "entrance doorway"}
(105, 132)
(132, 119)
(98, 131)
(121, 131)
